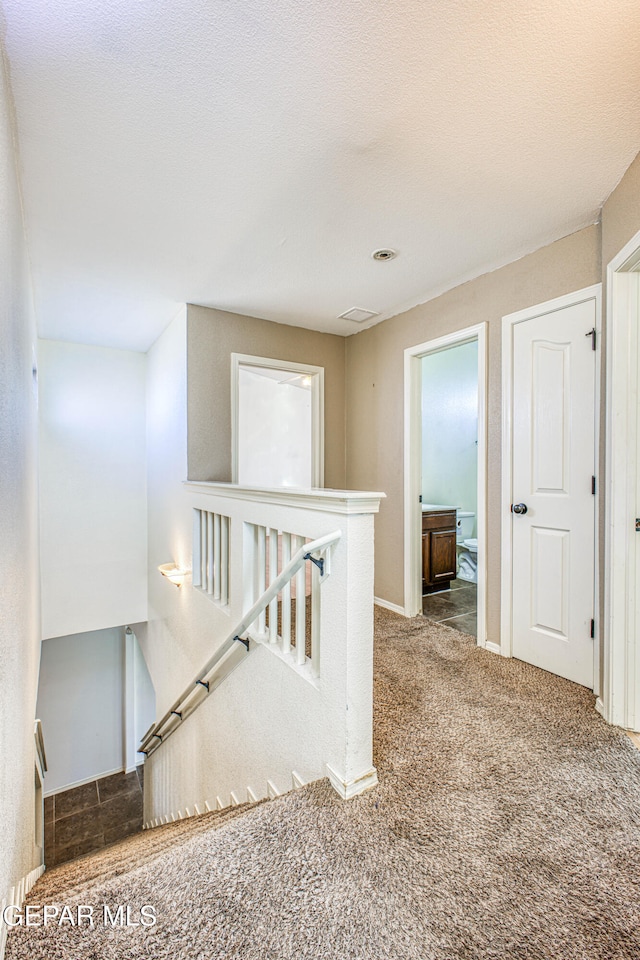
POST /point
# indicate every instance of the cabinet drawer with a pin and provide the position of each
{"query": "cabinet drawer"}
(439, 521)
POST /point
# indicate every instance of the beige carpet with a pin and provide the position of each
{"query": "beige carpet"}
(506, 825)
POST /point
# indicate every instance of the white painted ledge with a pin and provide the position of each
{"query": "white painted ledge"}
(326, 500)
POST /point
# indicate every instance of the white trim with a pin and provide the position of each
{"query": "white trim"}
(620, 689)
(412, 468)
(81, 783)
(352, 788)
(317, 407)
(387, 605)
(509, 321)
(271, 793)
(492, 647)
(16, 897)
(129, 744)
(41, 756)
(329, 501)
(272, 790)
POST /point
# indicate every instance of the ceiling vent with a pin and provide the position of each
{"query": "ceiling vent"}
(358, 315)
(385, 254)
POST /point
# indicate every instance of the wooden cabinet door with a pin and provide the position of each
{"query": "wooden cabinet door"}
(438, 549)
(442, 560)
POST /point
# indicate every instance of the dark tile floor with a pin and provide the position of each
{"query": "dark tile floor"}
(92, 816)
(457, 607)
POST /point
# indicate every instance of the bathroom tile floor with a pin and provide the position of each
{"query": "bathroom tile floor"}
(457, 607)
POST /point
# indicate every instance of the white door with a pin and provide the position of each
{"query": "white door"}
(553, 504)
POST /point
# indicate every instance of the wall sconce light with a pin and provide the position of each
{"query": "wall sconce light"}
(173, 573)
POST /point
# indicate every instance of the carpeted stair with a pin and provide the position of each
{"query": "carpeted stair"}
(121, 858)
(506, 825)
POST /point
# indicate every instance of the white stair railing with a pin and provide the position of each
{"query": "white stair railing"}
(209, 676)
(305, 701)
(291, 621)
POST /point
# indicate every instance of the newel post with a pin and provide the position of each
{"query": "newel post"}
(346, 673)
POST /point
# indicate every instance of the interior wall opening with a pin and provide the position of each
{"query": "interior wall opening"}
(449, 486)
(439, 471)
(277, 428)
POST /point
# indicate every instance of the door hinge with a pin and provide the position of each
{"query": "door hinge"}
(592, 334)
(420, 499)
(593, 484)
(593, 629)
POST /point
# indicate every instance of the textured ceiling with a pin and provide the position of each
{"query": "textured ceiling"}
(251, 154)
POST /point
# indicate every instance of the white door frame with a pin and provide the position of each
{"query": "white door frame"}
(620, 697)
(508, 324)
(413, 468)
(317, 407)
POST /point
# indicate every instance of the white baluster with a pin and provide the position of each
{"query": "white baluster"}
(261, 565)
(224, 561)
(286, 596)
(273, 573)
(249, 565)
(300, 607)
(197, 562)
(216, 556)
(315, 619)
(210, 567)
(203, 549)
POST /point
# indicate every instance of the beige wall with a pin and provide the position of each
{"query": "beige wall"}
(375, 390)
(19, 577)
(621, 214)
(212, 336)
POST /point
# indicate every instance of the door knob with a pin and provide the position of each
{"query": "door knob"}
(519, 508)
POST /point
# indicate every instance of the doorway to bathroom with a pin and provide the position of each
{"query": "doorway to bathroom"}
(449, 486)
(445, 486)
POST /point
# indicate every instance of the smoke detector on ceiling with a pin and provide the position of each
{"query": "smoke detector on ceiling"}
(386, 253)
(358, 315)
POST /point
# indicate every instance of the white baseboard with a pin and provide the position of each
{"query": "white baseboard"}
(81, 783)
(599, 706)
(493, 647)
(394, 607)
(234, 800)
(351, 788)
(272, 790)
(16, 897)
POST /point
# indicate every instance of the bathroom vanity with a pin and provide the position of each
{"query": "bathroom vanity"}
(438, 546)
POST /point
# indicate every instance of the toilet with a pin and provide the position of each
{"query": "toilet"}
(466, 546)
